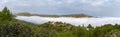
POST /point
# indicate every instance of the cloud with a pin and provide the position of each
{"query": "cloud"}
(91, 7)
(76, 21)
(5, 1)
(95, 2)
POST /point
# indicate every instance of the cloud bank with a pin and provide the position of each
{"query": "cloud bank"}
(73, 21)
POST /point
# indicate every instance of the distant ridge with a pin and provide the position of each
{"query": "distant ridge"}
(47, 15)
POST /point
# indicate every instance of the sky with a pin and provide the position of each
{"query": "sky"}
(104, 8)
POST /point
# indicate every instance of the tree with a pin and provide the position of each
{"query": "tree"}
(5, 15)
(90, 27)
(90, 30)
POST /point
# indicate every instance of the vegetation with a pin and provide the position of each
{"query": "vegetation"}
(10, 27)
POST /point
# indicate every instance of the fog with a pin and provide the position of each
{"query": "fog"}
(74, 21)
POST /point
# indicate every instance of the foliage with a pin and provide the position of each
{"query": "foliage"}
(5, 15)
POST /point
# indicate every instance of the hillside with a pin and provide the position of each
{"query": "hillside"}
(48, 15)
(11, 27)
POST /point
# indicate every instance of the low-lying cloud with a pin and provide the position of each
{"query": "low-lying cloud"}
(73, 21)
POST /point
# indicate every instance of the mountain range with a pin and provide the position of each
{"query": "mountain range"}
(53, 15)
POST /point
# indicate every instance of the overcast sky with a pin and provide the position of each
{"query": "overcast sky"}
(91, 7)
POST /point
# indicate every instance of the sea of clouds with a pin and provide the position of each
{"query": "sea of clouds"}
(74, 21)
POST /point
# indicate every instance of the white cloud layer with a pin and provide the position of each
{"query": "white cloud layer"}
(73, 21)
